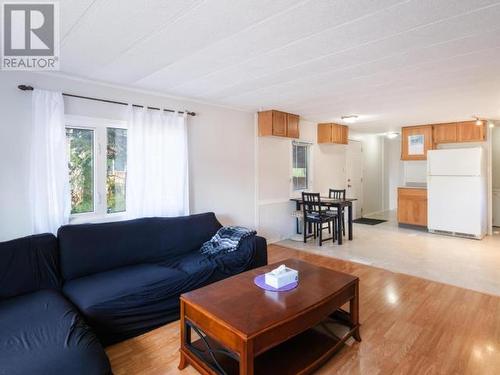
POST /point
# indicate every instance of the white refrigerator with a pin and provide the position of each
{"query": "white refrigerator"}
(456, 192)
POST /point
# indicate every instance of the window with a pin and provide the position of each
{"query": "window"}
(116, 169)
(97, 151)
(300, 166)
(81, 169)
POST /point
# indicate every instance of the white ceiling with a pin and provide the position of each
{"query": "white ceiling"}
(391, 62)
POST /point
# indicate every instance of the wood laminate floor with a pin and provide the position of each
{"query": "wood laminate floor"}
(409, 326)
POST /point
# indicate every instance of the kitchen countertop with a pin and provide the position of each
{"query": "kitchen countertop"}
(414, 185)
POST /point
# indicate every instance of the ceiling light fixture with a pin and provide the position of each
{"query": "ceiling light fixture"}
(491, 124)
(392, 135)
(349, 119)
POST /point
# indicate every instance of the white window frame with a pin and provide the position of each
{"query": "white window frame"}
(295, 192)
(99, 126)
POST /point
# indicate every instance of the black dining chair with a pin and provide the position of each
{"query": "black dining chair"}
(339, 194)
(315, 217)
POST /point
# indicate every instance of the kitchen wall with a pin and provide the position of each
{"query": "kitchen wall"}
(495, 157)
(415, 171)
(221, 147)
(373, 172)
(327, 169)
(393, 172)
(495, 176)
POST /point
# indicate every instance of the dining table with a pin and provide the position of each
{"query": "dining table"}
(339, 204)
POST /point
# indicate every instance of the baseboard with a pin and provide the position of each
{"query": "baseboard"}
(373, 213)
(272, 240)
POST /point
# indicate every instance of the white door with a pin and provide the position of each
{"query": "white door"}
(354, 176)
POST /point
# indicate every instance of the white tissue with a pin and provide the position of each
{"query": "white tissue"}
(281, 269)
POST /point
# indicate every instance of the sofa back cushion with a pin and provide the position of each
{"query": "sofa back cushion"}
(29, 264)
(91, 248)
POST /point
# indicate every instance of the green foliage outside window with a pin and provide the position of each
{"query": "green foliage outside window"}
(116, 170)
(81, 169)
(80, 143)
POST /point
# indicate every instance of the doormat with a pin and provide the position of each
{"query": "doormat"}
(367, 221)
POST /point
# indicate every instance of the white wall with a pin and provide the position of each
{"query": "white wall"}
(495, 157)
(275, 158)
(393, 172)
(221, 147)
(415, 171)
(329, 167)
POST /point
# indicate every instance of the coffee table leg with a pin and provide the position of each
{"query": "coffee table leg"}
(185, 338)
(354, 312)
(182, 362)
(246, 359)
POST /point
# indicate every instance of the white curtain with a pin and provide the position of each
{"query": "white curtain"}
(157, 164)
(49, 176)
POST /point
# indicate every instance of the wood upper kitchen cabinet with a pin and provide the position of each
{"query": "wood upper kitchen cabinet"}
(292, 126)
(343, 136)
(415, 142)
(457, 132)
(470, 132)
(324, 133)
(412, 206)
(333, 133)
(445, 133)
(277, 123)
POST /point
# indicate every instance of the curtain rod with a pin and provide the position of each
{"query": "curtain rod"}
(30, 88)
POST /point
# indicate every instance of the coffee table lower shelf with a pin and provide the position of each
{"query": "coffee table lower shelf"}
(301, 354)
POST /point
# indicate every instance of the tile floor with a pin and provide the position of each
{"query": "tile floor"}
(466, 263)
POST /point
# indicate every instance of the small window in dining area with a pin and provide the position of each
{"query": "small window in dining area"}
(300, 166)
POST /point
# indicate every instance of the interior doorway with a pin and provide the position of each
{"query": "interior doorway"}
(354, 176)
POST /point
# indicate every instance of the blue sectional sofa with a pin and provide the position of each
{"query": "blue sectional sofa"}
(62, 299)
(41, 332)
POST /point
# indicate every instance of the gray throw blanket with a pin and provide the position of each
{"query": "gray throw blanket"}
(226, 240)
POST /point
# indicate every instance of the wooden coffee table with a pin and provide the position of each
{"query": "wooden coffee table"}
(242, 329)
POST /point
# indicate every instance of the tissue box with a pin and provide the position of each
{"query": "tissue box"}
(288, 276)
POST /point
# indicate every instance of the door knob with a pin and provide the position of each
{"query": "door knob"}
(349, 186)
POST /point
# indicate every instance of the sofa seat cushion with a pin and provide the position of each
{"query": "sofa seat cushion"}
(123, 285)
(130, 300)
(42, 333)
(192, 263)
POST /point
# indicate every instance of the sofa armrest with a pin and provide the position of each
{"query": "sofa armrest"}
(260, 258)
